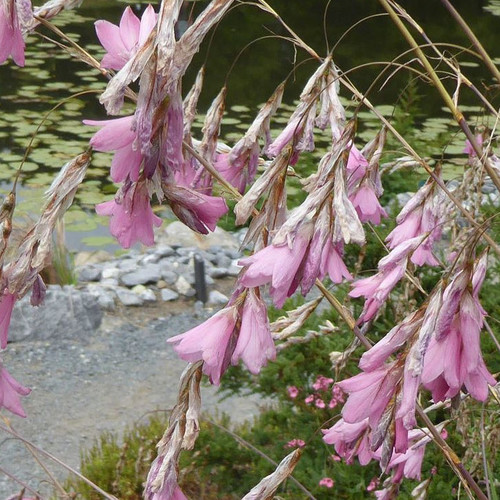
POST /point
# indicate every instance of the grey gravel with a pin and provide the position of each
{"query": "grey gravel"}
(102, 381)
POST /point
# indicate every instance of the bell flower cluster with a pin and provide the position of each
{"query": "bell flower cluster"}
(148, 145)
(419, 226)
(239, 331)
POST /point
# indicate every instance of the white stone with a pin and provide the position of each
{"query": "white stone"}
(183, 287)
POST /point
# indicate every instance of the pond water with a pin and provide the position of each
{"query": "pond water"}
(28, 95)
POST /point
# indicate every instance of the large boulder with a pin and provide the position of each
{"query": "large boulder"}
(66, 312)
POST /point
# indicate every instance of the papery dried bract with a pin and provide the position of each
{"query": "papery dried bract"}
(266, 488)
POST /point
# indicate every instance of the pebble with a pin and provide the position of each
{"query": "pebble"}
(128, 297)
(168, 295)
(183, 287)
(149, 273)
(217, 298)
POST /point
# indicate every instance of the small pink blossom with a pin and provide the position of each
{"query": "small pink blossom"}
(295, 443)
(309, 399)
(123, 41)
(11, 36)
(322, 383)
(293, 392)
(333, 403)
(131, 216)
(118, 135)
(10, 390)
(319, 403)
(338, 393)
(327, 482)
(373, 484)
(335, 458)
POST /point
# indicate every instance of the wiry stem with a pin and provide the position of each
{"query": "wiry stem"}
(12, 432)
(246, 444)
(457, 114)
(473, 38)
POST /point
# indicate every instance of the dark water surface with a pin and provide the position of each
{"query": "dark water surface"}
(50, 76)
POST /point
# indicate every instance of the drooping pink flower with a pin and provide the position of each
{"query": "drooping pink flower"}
(239, 171)
(255, 345)
(6, 306)
(350, 440)
(293, 392)
(377, 288)
(369, 394)
(213, 342)
(327, 482)
(123, 41)
(131, 216)
(117, 135)
(198, 211)
(409, 463)
(239, 331)
(423, 214)
(453, 357)
(12, 13)
(278, 265)
(469, 150)
(367, 205)
(10, 390)
(356, 165)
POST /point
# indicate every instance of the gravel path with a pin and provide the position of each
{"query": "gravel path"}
(104, 381)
